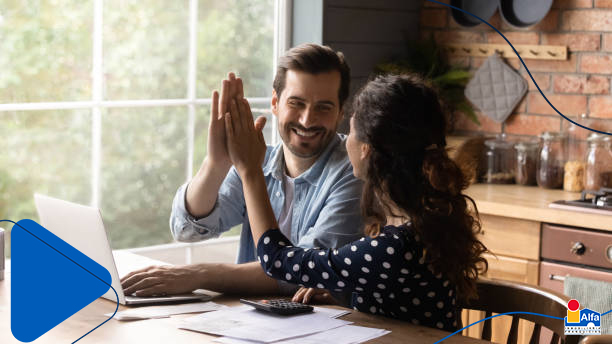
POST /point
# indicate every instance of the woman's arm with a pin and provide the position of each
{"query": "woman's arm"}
(261, 215)
(366, 264)
(247, 150)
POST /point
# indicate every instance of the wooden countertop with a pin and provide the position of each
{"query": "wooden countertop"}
(531, 203)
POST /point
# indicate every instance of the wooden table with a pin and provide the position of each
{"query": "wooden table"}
(166, 331)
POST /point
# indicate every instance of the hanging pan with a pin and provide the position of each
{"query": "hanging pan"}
(524, 13)
(481, 8)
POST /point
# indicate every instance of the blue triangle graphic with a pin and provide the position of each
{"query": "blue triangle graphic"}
(47, 285)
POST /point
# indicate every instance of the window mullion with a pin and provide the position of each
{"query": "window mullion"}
(97, 82)
(191, 84)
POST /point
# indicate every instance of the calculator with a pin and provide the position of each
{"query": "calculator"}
(282, 307)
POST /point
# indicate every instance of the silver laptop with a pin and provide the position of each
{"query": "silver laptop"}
(81, 226)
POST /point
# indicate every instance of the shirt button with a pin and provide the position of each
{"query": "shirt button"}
(278, 194)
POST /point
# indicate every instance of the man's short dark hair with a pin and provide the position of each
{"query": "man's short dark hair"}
(313, 59)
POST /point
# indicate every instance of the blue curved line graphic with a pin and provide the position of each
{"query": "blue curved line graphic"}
(491, 317)
(527, 69)
(116, 308)
(117, 301)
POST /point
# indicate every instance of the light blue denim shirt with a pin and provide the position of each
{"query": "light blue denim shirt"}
(326, 208)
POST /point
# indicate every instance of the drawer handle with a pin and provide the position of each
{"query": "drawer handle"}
(578, 249)
(556, 278)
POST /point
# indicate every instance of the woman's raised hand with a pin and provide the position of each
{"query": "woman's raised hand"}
(245, 142)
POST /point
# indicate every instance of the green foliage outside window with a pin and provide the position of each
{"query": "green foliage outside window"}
(46, 56)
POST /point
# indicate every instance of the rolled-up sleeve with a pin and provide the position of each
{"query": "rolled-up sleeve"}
(228, 211)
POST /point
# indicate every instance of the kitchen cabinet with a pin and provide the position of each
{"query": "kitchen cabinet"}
(511, 219)
(515, 247)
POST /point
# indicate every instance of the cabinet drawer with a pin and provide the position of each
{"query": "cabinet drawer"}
(511, 237)
(513, 269)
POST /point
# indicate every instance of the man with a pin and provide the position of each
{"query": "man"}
(309, 178)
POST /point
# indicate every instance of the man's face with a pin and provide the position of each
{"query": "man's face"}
(308, 111)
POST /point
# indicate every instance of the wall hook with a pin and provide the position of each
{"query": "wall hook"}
(542, 52)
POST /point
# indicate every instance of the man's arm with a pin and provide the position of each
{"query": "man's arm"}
(246, 278)
(228, 212)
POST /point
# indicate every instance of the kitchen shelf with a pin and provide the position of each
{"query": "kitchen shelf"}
(539, 52)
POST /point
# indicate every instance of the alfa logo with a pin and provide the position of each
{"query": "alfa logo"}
(581, 322)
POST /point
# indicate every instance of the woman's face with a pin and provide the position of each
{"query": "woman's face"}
(357, 152)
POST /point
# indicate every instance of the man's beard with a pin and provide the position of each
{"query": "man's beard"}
(306, 150)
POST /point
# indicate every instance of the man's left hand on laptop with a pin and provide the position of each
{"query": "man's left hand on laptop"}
(161, 280)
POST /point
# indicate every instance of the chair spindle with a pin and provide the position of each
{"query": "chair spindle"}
(486, 329)
(513, 334)
(535, 335)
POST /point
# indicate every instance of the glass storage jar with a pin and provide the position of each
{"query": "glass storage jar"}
(551, 160)
(573, 176)
(526, 159)
(598, 169)
(499, 159)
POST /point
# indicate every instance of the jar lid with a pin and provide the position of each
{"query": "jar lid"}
(595, 137)
(527, 145)
(498, 143)
(551, 135)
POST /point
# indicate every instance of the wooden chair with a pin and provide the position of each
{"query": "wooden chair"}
(603, 339)
(497, 296)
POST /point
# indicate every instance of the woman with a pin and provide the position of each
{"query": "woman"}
(420, 252)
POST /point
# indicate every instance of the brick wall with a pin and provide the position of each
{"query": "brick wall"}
(581, 84)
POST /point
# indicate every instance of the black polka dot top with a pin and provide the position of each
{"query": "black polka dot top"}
(386, 274)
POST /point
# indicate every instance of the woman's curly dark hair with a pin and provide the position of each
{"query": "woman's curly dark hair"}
(401, 118)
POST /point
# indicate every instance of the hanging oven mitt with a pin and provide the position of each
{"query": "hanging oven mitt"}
(496, 89)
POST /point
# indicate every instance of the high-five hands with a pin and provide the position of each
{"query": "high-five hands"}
(231, 88)
(245, 142)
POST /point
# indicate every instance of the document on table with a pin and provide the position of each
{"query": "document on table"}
(331, 312)
(156, 312)
(244, 322)
(347, 334)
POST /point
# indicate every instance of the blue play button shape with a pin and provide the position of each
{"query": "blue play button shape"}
(50, 280)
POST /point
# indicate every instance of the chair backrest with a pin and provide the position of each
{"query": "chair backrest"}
(497, 296)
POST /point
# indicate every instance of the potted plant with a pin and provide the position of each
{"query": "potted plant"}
(426, 58)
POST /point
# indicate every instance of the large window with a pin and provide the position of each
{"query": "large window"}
(107, 102)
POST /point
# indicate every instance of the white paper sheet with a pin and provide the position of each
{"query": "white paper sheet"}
(156, 312)
(348, 334)
(244, 322)
(331, 312)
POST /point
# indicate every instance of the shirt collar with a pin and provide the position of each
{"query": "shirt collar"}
(276, 165)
